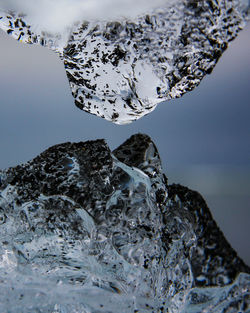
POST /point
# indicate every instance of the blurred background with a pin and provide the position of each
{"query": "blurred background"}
(203, 138)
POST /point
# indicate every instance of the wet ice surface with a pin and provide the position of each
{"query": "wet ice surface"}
(84, 229)
(121, 70)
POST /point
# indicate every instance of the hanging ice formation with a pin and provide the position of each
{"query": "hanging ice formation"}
(121, 69)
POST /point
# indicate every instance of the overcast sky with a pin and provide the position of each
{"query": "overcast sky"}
(203, 138)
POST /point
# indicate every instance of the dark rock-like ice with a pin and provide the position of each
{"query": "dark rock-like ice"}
(119, 70)
(84, 229)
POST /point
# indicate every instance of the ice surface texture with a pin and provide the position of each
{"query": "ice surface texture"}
(121, 70)
(86, 230)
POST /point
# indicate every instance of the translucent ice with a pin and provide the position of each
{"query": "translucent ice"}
(121, 69)
(86, 230)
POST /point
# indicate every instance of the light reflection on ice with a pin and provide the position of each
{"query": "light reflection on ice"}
(115, 237)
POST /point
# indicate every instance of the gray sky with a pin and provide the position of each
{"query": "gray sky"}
(203, 138)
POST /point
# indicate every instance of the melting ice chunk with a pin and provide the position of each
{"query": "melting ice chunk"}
(86, 230)
(119, 70)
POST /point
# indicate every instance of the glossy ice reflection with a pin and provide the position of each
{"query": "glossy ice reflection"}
(86, 230)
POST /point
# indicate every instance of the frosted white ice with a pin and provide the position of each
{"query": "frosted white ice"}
(56, 15)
